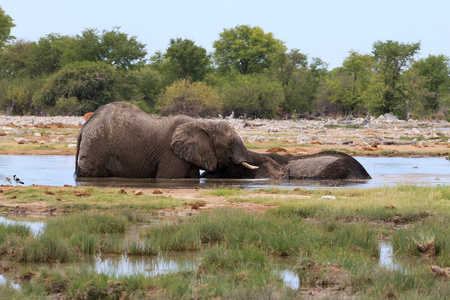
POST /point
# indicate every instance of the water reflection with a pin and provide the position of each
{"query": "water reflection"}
(7, 281)
(35, 227)
(57, 170)
(387, 257)
(290, 279)
(148, 266)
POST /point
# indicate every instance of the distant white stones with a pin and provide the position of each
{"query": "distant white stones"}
(22, 140)
(329, 197)
(34, 120)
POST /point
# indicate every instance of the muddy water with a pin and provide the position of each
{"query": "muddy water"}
(57, 170)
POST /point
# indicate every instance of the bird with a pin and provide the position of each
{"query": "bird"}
(8, 179)
(17, 180)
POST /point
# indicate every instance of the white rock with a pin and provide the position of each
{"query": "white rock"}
(328, 197)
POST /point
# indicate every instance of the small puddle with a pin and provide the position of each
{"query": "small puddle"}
(6, 281)
(387, 259)
(36, 227)
(290, 279)
(148, 266)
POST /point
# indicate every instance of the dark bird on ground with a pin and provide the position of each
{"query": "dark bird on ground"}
(17, 180)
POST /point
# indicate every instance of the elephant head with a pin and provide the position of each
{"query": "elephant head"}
(210, 145)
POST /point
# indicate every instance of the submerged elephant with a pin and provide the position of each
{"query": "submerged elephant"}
(323, 165)
(120, 140)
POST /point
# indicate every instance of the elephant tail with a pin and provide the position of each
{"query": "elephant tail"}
(78, 152)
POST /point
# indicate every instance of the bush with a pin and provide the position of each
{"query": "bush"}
(93, 84)
(255, 96)
(195, 99)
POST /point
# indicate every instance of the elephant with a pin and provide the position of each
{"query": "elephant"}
(120, 140)
(323, 165)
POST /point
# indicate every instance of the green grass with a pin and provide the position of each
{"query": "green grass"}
(65, 238)
(429, 238)
(272, 233)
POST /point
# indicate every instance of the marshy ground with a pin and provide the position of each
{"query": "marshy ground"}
(330, 239)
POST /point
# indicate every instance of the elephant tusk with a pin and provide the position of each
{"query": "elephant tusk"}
(249, 166)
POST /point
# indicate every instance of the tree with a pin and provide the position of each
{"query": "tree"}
(186, 60)
(93, 84)
(13, 59)
(46, 56)
(6, 23)
(246, 49)
(392, 59)
(436, 70)
(303, 87)
(112, 47)
(287, 63)
(196, 99)
(348, 83)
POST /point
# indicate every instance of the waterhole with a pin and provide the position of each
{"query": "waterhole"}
(57, 170)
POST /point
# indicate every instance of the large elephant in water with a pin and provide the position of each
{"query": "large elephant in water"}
(120, 140)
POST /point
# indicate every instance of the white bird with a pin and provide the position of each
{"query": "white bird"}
(8, 179)
(17, 180)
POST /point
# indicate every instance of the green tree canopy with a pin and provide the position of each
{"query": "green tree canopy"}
(288, 63)
(47, 55)
(6, 23)
(93, 84)
(302, 89)
(13, 59)
(246, 49)
(435, 71)
(186, 60)
(113, 47)
(348, 85)
(393, 58)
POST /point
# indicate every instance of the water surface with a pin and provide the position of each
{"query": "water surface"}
(57, 170)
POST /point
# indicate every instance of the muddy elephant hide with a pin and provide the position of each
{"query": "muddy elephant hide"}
(120, 140)
(323, 165)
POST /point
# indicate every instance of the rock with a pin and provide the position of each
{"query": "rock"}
(329, 197)
(390, 117)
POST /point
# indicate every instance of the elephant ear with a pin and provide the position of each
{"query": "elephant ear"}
(191, 142)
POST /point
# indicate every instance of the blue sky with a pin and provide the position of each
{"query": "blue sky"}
(319, 28)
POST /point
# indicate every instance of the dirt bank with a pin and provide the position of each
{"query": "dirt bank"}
(380, 137)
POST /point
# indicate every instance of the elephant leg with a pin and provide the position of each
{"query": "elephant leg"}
(174, 167)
